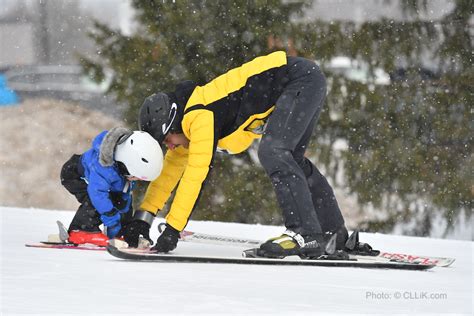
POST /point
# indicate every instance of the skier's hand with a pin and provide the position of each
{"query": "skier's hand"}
(134, 230)
(168, 240)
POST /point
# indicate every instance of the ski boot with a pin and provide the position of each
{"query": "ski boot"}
(291, 243)
(83, 237)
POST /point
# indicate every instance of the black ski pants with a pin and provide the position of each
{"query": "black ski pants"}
(87, 218)
(304, 195)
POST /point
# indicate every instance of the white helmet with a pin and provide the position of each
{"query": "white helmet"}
(141, 154)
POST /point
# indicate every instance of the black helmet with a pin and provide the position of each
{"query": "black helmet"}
(158, 115)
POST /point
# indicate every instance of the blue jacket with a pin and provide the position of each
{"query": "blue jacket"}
(103, 180)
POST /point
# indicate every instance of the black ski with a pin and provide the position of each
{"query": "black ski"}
(130, 254)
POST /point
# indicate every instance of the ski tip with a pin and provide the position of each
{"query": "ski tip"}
(111, 249)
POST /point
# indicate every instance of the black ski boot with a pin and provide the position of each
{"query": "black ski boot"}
(291, 243)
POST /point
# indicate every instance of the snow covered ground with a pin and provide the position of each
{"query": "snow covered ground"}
(51, 281)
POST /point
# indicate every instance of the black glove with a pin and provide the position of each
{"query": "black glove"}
(134, 229)
(167, 241)
(118, 200)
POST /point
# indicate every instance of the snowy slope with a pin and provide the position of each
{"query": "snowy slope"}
(51, 281)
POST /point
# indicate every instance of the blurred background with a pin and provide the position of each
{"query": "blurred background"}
(394, 139)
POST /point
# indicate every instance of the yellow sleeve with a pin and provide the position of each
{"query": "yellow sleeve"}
(159, 191)
(201, 150)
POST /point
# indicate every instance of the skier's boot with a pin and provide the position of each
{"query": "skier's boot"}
(291, 243)
(84, 237)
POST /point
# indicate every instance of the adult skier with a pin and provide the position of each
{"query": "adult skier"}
(277, 98)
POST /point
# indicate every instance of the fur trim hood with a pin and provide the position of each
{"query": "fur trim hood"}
(109, 143)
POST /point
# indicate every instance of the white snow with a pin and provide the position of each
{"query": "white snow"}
(52, 281)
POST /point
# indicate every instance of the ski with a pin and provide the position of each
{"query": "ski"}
(128, 254)
(60, 241)
(383, 256)
(64, 245)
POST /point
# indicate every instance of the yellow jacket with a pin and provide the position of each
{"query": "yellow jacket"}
(226, 114)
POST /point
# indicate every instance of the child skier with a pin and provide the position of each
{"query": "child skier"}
(102, 180)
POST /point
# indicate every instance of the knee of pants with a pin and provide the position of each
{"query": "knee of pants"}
(272, 158)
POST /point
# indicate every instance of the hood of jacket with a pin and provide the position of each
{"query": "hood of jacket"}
(108, 142)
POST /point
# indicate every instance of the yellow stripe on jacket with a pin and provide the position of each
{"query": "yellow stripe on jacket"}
(234, 79)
